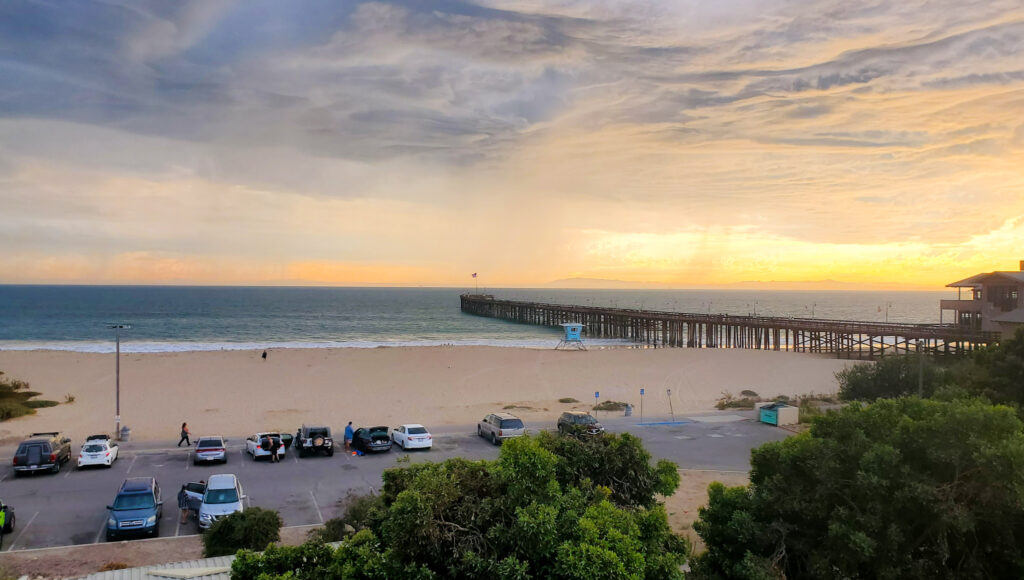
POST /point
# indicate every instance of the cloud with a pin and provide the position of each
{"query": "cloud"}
(811, 122)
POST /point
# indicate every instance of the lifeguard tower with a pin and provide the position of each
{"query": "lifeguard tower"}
(572, 339)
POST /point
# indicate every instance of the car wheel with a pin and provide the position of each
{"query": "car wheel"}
(494, 439)
(479, 431)
(330, 452)
(9, 524)
(56, 467)
(110, 537)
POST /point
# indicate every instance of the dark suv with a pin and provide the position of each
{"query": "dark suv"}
(579, 423)
(136, 510)
(42, 451)
(310, 440)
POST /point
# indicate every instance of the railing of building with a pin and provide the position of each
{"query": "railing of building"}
(844, 338)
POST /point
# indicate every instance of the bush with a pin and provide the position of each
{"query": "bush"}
(69, 398)
(111, 566)
(748, 393)
(15, 399)
(610, 406)
(522, 516)
(40, 404)
(567, 400)
(728, 401)
(253, 529)
(888, 378)
(904, 488)
(358, 510)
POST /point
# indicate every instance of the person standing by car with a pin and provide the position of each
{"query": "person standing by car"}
(275, 448)
(183, 504)
(348, 436)
(184, 435)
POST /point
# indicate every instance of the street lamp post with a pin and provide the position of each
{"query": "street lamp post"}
(117, 328)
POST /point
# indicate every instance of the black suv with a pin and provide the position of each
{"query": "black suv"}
(41, 451)
(579, 423)
(310, 440)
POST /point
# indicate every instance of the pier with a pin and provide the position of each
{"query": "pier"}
(842, 338)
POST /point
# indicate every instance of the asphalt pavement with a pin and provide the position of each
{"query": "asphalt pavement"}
(69, 508)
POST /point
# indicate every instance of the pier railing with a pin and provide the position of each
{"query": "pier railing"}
(844, 338)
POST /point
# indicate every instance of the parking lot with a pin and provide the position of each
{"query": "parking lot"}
(70, 507)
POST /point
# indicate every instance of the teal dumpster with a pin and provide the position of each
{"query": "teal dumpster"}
(770, 413)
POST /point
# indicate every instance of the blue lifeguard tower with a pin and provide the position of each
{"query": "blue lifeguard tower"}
(572, 339)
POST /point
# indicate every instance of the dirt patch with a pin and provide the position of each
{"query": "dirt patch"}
(74, 561)
(692, 494)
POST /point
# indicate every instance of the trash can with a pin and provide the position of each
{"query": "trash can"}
(125, 434)
(629, 410)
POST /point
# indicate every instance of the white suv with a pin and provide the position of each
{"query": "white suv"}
(223, 497)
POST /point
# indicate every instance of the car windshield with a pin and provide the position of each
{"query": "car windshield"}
(229, 495)
(93, 448)
(378, 430)
(585, 420)
(511, 424)
(210, 443)
(133, 501)
(417, 430)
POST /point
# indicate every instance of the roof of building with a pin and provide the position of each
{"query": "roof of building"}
(206, 569)
(1013, 316)
(977, 279)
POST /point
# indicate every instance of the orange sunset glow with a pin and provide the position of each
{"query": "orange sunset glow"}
(685, 144)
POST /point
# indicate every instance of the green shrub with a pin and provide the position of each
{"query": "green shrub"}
(69, 398)
(15, 399)
(357, 510)
(567, 400)
(253, 529)
(610, 406)
(39, 404)
(748, 393)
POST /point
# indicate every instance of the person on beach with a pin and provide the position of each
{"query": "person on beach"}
(183, 504)
(184, 435)
(348, 436)
(264, 355)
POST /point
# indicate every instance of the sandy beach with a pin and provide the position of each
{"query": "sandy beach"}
(236, 393)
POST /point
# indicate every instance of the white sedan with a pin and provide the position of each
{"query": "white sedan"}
(254, 445)
(412, 436)
(98, 450)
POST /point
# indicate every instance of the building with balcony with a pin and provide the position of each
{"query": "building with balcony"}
(992, 302)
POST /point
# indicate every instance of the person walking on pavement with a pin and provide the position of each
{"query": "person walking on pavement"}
(184, 435)
(348, 436)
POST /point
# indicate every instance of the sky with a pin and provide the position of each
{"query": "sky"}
(687, 143)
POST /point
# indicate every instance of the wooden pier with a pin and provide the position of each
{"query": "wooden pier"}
(844, 339)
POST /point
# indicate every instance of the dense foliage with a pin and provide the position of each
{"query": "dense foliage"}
(252, 529)
(890, 377)
(997, 372)
(905, 488)
(535, 512)
(16, 399)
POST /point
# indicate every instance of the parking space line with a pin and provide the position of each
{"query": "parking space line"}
(187, 463)
(177, 526)
(21, 534)
(317, 506)
(132, 464)
(103, 528)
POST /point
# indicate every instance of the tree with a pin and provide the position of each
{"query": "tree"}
(904, 488)
(252, 529)
(998, 372)
(521, 516)
(889, 377)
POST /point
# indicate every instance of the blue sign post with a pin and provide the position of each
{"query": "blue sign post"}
(641, 405)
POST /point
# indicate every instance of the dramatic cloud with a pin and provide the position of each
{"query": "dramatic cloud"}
(353, 142)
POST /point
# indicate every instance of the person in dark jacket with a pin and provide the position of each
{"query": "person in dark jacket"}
(184, 435)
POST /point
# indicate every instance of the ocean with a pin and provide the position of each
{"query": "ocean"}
(190, 318)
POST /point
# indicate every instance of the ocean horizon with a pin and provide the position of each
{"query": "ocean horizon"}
(212, 318)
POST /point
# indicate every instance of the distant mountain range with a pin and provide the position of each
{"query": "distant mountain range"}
(602, 283)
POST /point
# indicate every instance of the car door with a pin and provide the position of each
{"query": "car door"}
(250, 444)
(398, 435)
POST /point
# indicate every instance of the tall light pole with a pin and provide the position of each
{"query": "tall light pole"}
(117, 328)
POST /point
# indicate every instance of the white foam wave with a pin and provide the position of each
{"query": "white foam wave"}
(147, 347)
